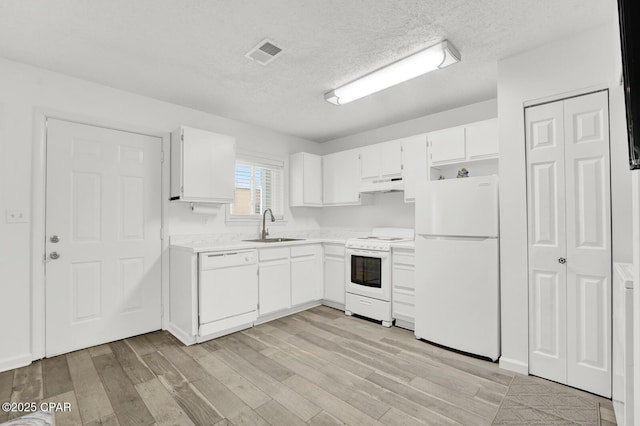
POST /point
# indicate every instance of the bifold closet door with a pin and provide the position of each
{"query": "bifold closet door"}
(568, 181)
(588, 243)
(547, 242)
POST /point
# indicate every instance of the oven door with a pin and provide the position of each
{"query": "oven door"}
(369, 273)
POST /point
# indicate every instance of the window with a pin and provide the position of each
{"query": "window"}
(258, 187)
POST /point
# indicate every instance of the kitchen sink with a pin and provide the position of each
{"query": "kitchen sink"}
(274, 240)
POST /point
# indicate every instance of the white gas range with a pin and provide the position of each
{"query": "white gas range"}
(368, 268)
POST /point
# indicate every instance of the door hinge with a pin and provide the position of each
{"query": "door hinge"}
(162, 156)
(182, 136)
(401, 166)
(162, 233)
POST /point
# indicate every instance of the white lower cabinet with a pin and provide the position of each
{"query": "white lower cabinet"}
(217, 293)
(334, 275)
(403, 287)
(289, 277)
(306, 274)
(274, 280)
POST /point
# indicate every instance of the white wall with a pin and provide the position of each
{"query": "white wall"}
(25, 89)
(389, 209)
(583, 61)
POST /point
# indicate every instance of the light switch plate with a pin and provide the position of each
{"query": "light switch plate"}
(17, 216)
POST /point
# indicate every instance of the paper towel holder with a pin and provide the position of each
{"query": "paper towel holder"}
(206, 209)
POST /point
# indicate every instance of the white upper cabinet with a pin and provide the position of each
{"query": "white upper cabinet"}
(414, 161)
(382, 160)
(447, 145)
(475, 141)
(202, 166)
(305, 180)
(482, 139)
(370, 162)
(341, 178)
(391, 153)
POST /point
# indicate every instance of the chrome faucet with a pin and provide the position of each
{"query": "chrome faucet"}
(265, 232)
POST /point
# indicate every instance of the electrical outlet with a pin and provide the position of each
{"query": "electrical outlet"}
(17, 216)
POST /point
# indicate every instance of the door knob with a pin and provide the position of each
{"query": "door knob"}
(54, 239)
(54, 255)
(562, 261)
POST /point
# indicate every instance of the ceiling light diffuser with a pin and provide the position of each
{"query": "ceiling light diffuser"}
(440, 55)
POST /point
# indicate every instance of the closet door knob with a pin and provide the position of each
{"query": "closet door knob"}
(562, 261)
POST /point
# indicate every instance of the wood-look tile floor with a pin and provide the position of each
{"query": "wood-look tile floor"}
(316, 367)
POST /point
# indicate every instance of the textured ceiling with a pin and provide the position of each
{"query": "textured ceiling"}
(191, 52)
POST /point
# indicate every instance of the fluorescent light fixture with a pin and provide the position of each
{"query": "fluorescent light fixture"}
(432, 58)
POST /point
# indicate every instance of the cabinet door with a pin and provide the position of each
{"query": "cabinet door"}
(370, 161)
(341, 178)
(447, 145)
(312, 178)
(306, 274)
(414, 160)
(482, 139)
(391, 161)
(275, 286)
(305, 180)
(334, 273)
(208, 166)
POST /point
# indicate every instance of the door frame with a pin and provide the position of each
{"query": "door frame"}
(542, 101)
(38, 214)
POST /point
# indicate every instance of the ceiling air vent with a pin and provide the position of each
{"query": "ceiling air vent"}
(264, 52)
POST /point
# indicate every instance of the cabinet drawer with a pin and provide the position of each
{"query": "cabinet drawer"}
(309, 250)
(408, 259)
(334, 250)
(403, 311)
(273, 253)
(403, 276)
(403, 304)
(407, 297)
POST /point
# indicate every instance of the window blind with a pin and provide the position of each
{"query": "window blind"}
(259, 187)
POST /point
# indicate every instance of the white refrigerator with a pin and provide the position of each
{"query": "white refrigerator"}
(457, 279)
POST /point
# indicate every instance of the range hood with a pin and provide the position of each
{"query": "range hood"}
(382, 184)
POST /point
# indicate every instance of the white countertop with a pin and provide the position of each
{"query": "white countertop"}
(206, 246)
(198, 247)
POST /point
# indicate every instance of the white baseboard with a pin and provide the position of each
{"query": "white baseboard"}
(334, 305)
(286, 312)
(514, 365)
(15, 362)
(181, 335)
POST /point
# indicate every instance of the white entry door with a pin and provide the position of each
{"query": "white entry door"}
(568, 187)
(103, 246)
